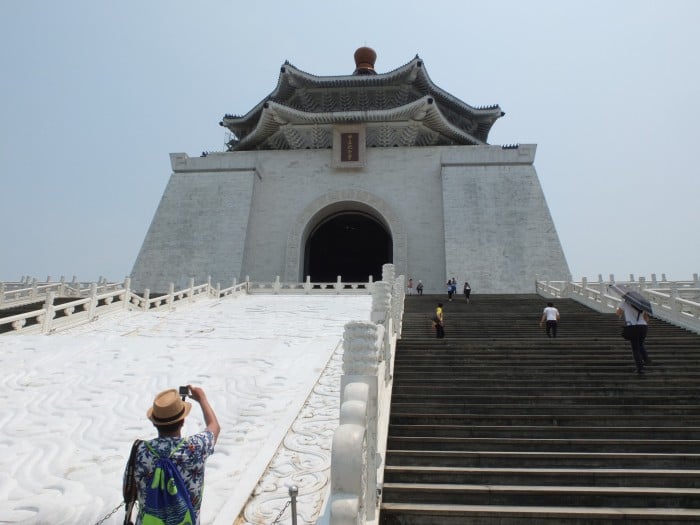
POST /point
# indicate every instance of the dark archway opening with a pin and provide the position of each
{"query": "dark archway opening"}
(350, 244)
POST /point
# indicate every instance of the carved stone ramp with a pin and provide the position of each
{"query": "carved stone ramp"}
(498, 424)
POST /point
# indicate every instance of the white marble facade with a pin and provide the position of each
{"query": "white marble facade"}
(475, 212)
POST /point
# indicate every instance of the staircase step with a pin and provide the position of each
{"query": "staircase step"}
(548, 459)
(518, 444)
(434, 514)
(558, 476)
(527, 418)
(604, 406)
(546, 432)
(542, 495)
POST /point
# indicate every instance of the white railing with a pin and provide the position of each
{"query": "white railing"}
(29, 291)
(359, 443)
(308, 287)
(95, 299)
(676, 302)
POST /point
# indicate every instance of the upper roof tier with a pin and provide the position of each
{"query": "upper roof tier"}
(400, 108)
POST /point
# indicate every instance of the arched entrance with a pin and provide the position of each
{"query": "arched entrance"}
(351, 244)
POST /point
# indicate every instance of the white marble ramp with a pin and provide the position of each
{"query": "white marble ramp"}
(73, 402)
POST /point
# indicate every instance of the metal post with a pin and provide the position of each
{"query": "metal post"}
(293, 491)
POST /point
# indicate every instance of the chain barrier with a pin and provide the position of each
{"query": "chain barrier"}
(293, 491)
(277, 519)
(110, 514)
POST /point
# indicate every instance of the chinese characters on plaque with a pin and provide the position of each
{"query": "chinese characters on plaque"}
(349, 146)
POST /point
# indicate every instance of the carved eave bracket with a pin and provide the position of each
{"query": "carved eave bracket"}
(420, 123)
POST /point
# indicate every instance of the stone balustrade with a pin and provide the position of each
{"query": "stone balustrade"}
(29, 291)
(95, 299)
(359, 443)
(676, 302)
(308, 287)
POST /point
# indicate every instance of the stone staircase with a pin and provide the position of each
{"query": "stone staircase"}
(497, 424)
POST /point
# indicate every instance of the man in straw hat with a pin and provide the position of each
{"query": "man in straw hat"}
(168, 415)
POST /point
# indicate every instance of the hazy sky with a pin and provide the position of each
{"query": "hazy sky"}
(96, 94)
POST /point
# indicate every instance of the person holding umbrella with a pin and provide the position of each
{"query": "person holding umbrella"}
(636, 309)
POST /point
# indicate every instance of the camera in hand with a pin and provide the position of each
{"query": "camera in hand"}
(184, 392)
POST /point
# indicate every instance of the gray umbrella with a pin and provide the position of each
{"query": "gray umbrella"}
(632, 297)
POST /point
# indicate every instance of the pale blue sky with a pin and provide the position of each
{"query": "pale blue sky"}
(95, 95)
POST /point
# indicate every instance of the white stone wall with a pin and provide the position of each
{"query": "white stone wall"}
(199, 228)
(499, 234)
(229, 215)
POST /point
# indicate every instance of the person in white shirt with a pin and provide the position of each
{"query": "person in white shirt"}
(636, 324)
(550, 316)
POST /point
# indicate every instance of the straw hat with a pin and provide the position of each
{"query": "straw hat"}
(168, 408)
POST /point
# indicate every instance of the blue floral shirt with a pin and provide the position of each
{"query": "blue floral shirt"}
(189, 458)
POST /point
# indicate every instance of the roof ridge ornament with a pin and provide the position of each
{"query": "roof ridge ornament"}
(365, 57)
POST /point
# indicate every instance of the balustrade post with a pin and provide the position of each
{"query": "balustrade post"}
(642, 283)
(584, 288)
(35, 291)
(338, 284)
(208, 285)
(218, 290)
(675, 307)
(695, 279)
(146, 298)
(388, 273)
(191, 292)
(276, 286)
(397, 301)
(381, 302)
(92, 308)
(2, 292)
(49, 312)
(307, 284)
(127, 292)
(387, 355)
(171, 293)
(612, 278)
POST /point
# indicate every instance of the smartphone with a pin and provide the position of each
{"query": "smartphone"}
(184, 392)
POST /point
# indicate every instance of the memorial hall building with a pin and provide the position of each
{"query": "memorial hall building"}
(337, 175)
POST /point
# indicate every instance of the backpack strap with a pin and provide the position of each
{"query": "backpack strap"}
(177, 447)
(129, 489)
